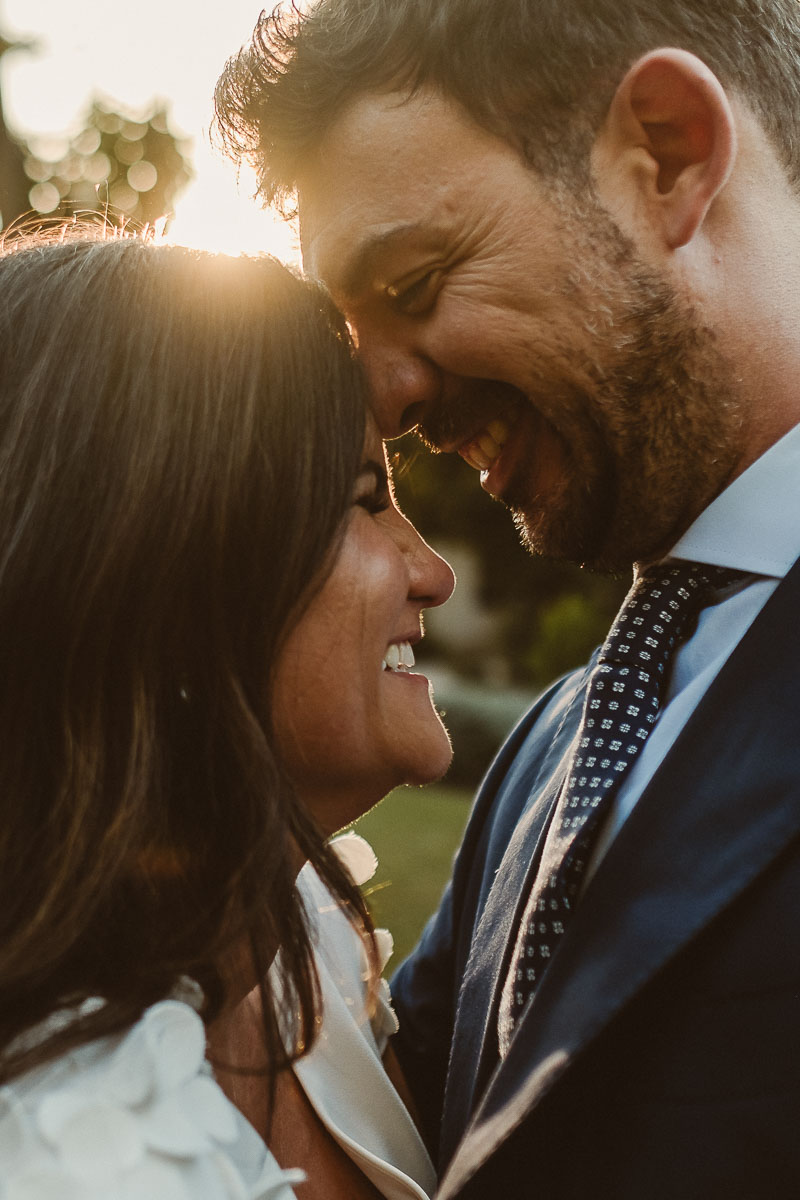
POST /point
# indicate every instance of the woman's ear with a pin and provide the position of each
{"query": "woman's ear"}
(667, 146)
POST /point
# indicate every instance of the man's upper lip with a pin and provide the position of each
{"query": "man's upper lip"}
(454, 444)
(479, 401)
(410, 418)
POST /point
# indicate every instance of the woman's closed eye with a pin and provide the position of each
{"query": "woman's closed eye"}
(372, 488)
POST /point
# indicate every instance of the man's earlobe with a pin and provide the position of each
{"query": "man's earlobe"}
(670, 140)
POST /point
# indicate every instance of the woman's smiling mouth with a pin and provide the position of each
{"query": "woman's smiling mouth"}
(398, 657)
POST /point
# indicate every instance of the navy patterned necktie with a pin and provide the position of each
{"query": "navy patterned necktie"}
(620, 709)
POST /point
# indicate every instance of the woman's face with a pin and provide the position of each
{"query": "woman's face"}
(352, 720)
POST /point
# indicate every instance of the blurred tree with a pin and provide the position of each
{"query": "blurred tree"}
(13, 180)
(129, 168)
(549, 615)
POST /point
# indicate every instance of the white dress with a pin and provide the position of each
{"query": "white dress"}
(136, 1116)
(139, 1116)
(343, 1075)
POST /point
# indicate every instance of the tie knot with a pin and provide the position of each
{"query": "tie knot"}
(657, 611)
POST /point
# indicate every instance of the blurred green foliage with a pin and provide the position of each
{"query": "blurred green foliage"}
(478, 718)
(414, 832)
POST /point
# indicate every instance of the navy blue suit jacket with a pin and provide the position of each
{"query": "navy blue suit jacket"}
(660, 1057)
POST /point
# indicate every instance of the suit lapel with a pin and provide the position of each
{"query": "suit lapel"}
(722, 806)
(475, 1038)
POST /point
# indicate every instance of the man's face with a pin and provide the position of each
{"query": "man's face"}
(515, 324)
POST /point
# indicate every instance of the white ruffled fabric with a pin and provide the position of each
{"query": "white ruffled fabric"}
(139, 1116)
(343, 1074)
(133, 1117)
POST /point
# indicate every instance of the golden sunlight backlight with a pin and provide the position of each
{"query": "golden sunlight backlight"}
(133, 55)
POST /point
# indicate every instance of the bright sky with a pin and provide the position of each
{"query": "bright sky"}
(133, 54)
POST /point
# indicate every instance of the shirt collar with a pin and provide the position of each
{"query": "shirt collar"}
(754, 525)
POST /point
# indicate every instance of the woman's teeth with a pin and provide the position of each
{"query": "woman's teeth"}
(483, 449)
(399, 657)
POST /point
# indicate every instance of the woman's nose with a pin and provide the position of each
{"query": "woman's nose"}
(431, 577)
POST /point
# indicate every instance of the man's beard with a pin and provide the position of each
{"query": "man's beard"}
(645, 407)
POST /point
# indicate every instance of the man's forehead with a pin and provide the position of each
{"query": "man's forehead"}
(384, 176)
(382, 144)
(357, 148)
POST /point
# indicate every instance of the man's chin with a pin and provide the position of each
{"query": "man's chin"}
(606, 549)
(576, 531)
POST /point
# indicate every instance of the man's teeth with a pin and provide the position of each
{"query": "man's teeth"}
(484, 448)
(399, 657)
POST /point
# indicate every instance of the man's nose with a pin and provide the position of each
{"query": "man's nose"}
(402, 385)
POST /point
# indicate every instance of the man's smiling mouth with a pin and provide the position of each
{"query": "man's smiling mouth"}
(482, 449)
(475, 420)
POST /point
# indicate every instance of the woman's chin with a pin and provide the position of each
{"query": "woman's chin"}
(435, 765)
(420, 750)
(342, 805)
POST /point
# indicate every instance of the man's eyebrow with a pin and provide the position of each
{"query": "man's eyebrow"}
(351, 274)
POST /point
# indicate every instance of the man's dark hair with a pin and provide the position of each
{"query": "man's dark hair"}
(539, 73)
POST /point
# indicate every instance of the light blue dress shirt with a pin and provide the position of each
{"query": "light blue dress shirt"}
(753, 526)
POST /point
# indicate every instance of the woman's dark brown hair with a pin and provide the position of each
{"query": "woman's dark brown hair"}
(179, 438)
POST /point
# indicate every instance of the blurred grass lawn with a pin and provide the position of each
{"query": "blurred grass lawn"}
(414, 832)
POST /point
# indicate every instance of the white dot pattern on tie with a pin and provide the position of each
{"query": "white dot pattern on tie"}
(620, 709)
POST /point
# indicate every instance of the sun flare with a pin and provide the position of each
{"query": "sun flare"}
(218, 214)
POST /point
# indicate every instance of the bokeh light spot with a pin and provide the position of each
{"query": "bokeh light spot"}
(142, 176)
(97, 168)
(123, 197)
(87, 142)
(128, 152)
(44, 197)
(71, 168)
(133, 130)
(37, 170)
(108, 122)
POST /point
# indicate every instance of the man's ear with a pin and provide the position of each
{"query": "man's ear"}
(668, 143)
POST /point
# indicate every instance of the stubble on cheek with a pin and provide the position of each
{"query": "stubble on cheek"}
(568, 520)
(664, 432)
(640, 458)
(563, 490)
